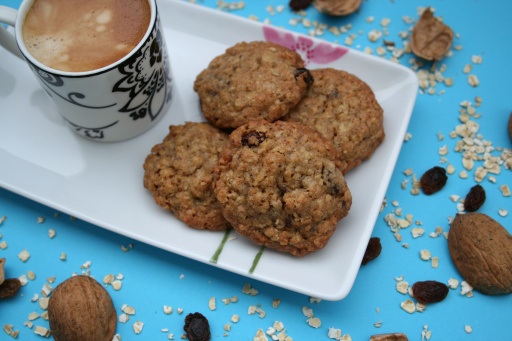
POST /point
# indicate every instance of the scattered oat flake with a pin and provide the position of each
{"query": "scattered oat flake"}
(42, 331)
(128, 309)
(453, 283)
(473, 80)
(51, 233)
(435, 262)
(235, 318)
(167, 309)
(117, 284)
(402, 287)
(314, 322)
(468, 329)
(308, 312)
(260, 336)
(425, 254)
(334, 333)
(248, 290)
(505, 190)
(502, 212)
(465, 288)
(408, 306)
(137, 327)
(24, 255)
(108, 279)
(123, 318)
(211, 303)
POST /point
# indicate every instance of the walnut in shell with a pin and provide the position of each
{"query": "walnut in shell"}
(431, 38)
(481, 249)
(337, 7)
(81, 309)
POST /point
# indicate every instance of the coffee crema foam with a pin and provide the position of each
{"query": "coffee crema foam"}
(78, 35)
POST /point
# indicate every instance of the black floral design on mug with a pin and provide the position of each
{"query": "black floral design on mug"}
(146, 79)
(51, 80)
(92, 133)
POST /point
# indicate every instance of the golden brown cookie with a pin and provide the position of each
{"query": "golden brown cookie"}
(344, 110)
(280, 185)
(256, 80)
(179, 174)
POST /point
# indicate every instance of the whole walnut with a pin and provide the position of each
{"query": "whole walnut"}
(337, 7)
(81, 309)
(481, 249)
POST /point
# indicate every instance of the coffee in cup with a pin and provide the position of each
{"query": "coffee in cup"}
(77, 35)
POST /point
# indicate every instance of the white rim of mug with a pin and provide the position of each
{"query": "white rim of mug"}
(20, 19)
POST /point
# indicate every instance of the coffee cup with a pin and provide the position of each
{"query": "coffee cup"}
(106, 87)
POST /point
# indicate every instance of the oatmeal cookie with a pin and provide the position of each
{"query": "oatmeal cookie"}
(344, 110)
(280, 185)
(179, 174)
(256, 80)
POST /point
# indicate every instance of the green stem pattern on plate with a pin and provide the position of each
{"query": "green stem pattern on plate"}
(215, 257)
(256, 260)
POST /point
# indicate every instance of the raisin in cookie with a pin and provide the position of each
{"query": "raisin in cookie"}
(279, 185)
(179, 174)
(344, 110)
(256, 80)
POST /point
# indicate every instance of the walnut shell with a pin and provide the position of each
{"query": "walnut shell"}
(481, 249)
(81, 309)
(431, 39)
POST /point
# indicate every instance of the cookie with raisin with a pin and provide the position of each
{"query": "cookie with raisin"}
(179, 174)
(255, 80)
(281, 186)
(343, 108)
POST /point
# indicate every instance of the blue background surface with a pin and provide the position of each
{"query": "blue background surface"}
(153, 278)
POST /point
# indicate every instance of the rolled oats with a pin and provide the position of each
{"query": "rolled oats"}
(409, 306)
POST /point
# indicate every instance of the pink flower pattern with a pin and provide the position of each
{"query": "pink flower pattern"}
(321, 53)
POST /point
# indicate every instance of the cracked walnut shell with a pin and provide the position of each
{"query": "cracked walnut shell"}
(481, 249)
(431, 39)
(81, 309)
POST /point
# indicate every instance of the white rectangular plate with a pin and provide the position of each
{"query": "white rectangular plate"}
(42, 159)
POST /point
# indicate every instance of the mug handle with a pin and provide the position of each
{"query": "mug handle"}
(7, 40)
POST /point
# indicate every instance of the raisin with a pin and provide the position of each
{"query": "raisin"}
(433, 180)
(9, 287)
(475, 198)
(372, 250)
(253, 139)
(429, 291)
(299, 5)
(197, 327)
(308, 78)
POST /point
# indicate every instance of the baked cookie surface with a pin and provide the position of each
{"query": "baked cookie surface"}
(343, 108)
(179, 174)
(280, 186)
(256, 80)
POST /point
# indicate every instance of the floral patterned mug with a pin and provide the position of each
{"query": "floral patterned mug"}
(112, 103)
